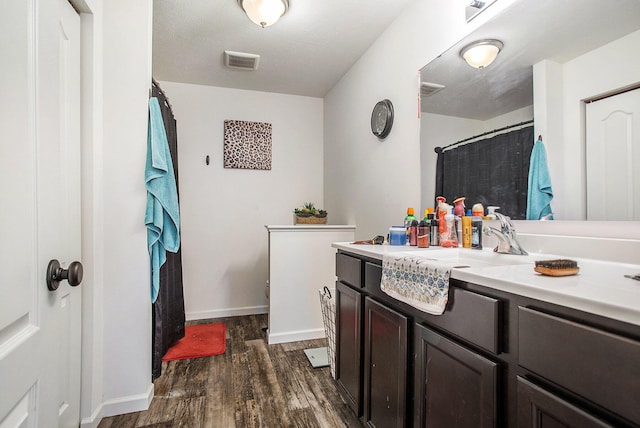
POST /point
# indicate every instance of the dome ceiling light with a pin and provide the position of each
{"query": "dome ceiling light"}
(264, 12)
(481, 53)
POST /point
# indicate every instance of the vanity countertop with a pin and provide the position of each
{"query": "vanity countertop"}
(599, 287)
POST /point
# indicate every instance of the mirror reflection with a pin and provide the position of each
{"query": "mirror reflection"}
(556, 58)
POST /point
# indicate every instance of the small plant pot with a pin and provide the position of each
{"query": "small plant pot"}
(309, 220)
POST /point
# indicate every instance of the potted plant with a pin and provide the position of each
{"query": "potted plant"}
(309, 214)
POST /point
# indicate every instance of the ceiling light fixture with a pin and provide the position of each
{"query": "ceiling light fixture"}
(481, 53)
(264, 12)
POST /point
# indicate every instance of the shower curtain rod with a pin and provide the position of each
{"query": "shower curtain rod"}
(441, 149)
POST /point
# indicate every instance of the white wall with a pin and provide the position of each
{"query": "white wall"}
(600, 71)
(224, 211)
(438, 131)
(125, 282)
(368, 182)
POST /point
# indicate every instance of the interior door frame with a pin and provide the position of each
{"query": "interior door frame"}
(91, 92)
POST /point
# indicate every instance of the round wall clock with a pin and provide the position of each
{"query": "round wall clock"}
(382, 119)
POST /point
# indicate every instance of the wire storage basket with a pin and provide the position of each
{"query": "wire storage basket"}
(328, 305)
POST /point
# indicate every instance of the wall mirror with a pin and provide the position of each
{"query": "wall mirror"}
(537, 75)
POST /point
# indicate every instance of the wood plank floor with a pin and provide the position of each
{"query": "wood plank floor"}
(251, 385)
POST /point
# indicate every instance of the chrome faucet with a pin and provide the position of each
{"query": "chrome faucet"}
(507, 239)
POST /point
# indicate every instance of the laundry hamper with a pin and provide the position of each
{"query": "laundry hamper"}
(328, 305)
(325, 356)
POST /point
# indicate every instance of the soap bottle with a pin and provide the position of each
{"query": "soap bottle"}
(458, 207)
(448, 237)
(491, 213)
(407, 223)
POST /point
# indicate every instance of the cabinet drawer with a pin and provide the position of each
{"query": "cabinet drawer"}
(538, 408)
(349, 270)
(598, 365)
(473, 317)
(372, 277)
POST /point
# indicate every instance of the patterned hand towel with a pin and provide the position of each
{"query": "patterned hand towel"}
(421, 283)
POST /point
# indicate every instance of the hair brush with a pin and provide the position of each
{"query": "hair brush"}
(557, 267)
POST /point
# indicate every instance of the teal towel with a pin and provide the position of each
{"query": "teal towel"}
(540, 194)
(162, 216)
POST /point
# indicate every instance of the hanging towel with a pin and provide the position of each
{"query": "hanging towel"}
(162, 216)
(539, 194)
(421, 283)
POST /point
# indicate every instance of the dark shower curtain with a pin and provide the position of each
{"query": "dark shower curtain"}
(168, 310)
(492, 171)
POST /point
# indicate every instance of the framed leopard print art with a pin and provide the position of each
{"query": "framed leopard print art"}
(247, 145)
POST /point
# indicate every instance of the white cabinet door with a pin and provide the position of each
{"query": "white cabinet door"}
(39, 213)
(613, 157)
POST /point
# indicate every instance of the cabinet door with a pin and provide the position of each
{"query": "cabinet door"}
(385, 362)
(349, 345)
(538, 408)
(454, 386)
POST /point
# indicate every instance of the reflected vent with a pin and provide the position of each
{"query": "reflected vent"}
(427, 88)
(241, 60)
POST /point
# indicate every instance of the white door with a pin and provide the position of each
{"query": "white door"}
(39, 212)
(613, 157)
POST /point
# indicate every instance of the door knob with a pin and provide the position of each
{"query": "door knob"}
(55, 274)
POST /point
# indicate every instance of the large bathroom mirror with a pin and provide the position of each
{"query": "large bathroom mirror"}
(556, 57)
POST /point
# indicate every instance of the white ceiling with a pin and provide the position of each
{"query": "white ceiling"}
(305, 53)
(532, 30)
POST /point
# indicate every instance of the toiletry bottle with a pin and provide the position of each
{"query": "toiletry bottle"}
(491, 213)
(466, 232)
(448, 237)
(434, 238)
(442, 224)
(413, 233)
(458, 207)
(424, 232)
(477, 210)
(476, 232)
(397, 235)
(407, 223)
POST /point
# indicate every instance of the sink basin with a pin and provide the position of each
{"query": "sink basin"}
(466, 258)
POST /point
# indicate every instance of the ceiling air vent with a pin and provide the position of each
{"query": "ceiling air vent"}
(241, 60)
(427, 88)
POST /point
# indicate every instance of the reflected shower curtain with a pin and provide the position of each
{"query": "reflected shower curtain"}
(493, 171)
(168, 310)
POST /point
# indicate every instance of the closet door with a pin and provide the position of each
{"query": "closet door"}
(612, 150)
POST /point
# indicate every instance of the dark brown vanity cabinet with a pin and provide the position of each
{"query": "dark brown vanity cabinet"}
(349, 345)
(492, 359)
(454, 386)
(385, 366)
(371, 348)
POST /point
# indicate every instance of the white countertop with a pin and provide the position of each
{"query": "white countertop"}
(599, 288)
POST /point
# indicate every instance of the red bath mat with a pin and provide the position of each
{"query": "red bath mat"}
(200, 340)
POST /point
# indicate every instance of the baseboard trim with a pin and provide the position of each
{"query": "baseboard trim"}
(94, 420)
(133, 403)
(230, 312)
(295, 336)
